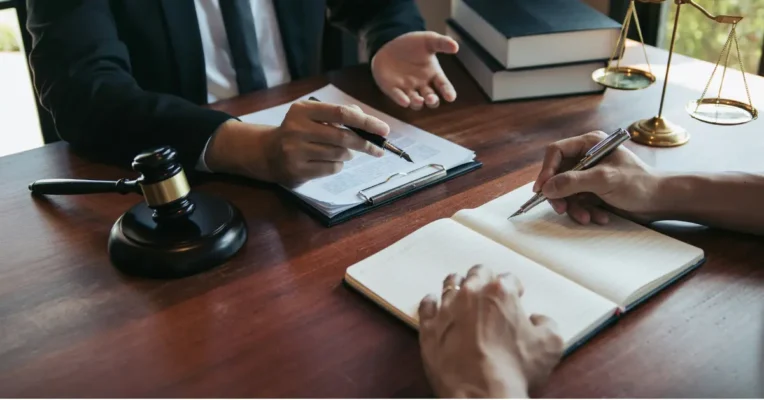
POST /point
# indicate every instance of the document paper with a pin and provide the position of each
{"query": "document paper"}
(336, 193)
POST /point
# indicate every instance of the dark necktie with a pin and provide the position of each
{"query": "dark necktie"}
(242, 39)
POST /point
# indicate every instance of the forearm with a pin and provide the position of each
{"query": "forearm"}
(82, 75)
(118, 121)
(733, 201)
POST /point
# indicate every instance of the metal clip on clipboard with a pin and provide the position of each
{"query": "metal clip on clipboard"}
(440, 172)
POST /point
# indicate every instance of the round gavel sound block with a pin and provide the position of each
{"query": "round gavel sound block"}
(175, 232)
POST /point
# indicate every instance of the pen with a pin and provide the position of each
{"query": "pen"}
(592, 157)
(377, 140)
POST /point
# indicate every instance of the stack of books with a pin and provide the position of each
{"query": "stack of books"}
(524, 49)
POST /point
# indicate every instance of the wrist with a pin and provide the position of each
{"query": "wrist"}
(213, 156)
(494, 392)
(504, 379)
(239, 148)
(675, 193)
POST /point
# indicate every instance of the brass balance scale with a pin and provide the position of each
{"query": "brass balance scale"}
(658, 131)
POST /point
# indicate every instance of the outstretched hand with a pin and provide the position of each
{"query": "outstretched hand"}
(407, 70)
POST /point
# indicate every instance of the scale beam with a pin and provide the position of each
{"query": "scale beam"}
(722, 19)
(658, 131)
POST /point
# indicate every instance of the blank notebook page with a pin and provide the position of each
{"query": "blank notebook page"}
(402, 274)
(615, 260)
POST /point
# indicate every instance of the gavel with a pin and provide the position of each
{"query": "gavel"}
(174, 232)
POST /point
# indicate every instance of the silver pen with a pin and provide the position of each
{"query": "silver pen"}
(592, 157)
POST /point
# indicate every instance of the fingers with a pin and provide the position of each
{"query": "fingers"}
(511, 284)
(346, 115)
(428, 332)
(451, 285)
(582, 208)
(558, 205)
(444, 87)
(585, 214)
(324, 152)
(480, 278)
(550, 331)
(416, 100)
(399, 97)
(338, 137)
(543, 321)
(428, 310)
(430, 98)
(437, 43)
(505, 286)
(599, 216)
(578, 213)
(572, 148)
(597, 180)
(477, 277)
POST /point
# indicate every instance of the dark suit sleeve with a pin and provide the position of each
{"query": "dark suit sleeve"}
(82, 74)
(376, 22)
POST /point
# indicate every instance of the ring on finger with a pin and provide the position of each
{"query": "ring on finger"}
(451, 287)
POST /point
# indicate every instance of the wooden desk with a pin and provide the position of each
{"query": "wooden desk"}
(277, 322)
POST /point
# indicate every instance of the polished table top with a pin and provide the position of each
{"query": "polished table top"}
(276, 321)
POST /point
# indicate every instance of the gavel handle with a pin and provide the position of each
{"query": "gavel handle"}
(80, 186)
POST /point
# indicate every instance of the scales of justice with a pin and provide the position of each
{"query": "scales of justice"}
(659, 131)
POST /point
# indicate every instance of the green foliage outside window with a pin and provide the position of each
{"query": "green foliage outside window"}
(9, 37)
(699, 37)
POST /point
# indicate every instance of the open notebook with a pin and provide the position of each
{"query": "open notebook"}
(582, 276)
(366, 179)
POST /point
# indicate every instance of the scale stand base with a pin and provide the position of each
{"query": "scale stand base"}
(201, 240)
(658, 132)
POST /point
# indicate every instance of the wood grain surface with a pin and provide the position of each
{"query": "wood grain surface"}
(276, 321)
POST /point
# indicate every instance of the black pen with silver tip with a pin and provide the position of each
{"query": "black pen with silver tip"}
(377, 140)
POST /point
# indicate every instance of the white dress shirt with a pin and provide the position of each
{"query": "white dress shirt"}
(221, 76)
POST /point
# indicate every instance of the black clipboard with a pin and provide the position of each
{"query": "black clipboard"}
(373, 202)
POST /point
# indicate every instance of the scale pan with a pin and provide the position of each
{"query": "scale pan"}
(623, 78)
(720, 111)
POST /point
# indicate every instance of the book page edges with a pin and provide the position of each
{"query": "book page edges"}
(409, 320)
(658, 286)
(600, 326)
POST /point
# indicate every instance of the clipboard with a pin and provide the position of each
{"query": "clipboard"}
(373, 201)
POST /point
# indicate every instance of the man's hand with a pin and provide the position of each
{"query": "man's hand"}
(307, 145)
(621, 180)
(407, 70)
(480, 343)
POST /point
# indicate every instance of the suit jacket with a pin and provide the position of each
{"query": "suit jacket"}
(122, 76)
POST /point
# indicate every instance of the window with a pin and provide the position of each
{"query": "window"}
(702, 38)
(19, 122)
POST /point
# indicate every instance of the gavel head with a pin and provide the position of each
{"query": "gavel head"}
(164, 184)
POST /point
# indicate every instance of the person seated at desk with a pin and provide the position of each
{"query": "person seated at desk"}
(625, 185)
(479, 342)
(119, 77)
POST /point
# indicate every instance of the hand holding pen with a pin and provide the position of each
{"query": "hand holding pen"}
(377, 140)
(306, 146)
(584, 175)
